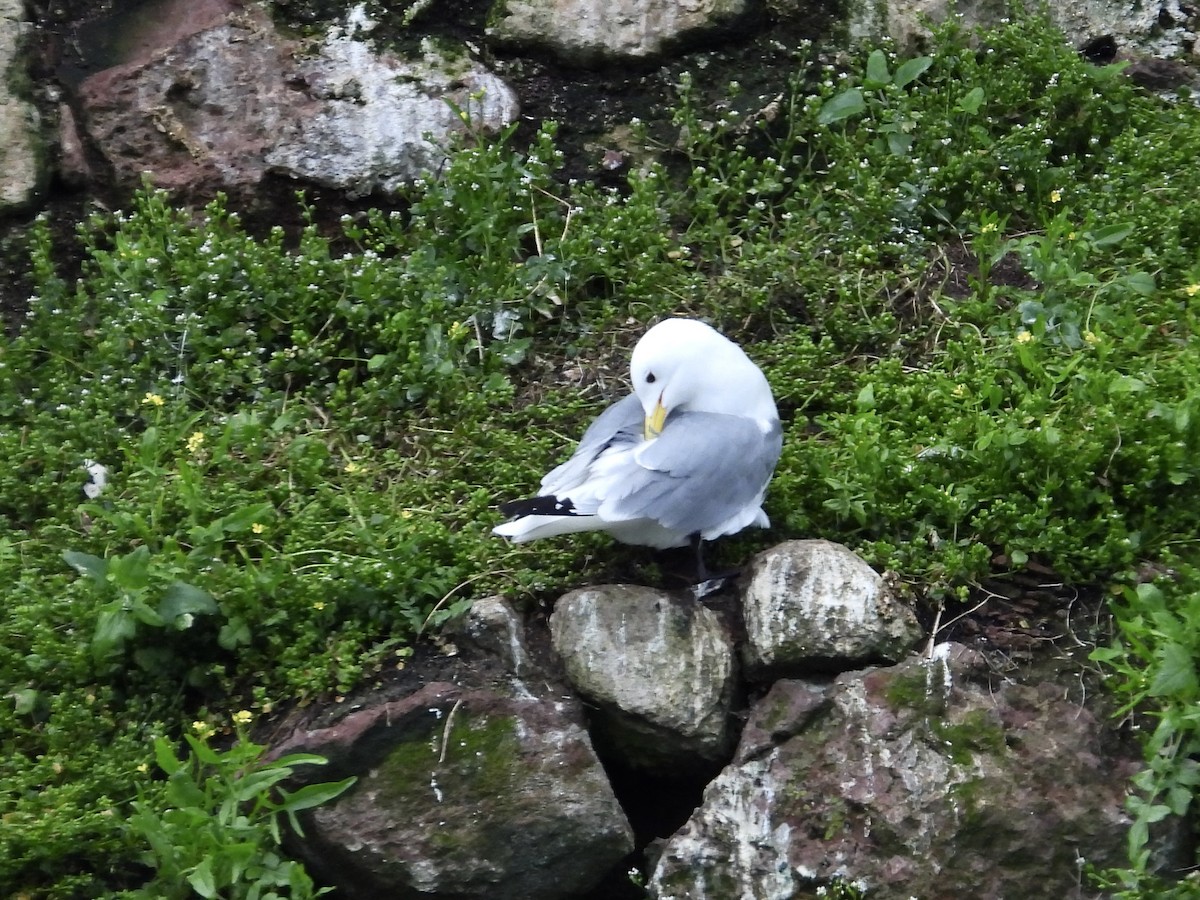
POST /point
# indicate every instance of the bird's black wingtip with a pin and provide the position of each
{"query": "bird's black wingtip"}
(537, 506)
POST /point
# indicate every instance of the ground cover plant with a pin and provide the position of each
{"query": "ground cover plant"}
(241, 471)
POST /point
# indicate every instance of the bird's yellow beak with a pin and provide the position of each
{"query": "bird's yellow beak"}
(653, 425)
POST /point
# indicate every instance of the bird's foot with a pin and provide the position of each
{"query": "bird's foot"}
(710, 583)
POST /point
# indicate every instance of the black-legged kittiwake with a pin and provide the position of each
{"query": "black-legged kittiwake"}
(683, 459)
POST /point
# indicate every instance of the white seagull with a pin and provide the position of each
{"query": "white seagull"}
(685, 458)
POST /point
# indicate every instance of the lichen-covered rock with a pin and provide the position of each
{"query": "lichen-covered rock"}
(1162, 28)
(488, 792)
(816, 605)
(22, 160)
(493, 626)
(373, 116)
(226, 106)
(658, 670)
(594, 31)
(933, 778)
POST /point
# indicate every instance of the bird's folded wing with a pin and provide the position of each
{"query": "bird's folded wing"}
(703, 470)
(620, 424)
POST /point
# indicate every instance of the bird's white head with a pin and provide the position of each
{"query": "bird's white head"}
(685, 365)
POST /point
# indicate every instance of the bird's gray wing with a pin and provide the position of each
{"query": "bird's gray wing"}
(621, 423)
(703, 469)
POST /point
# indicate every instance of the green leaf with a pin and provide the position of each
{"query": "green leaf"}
(131, 572)
(877, 71)
(1176, 675)
(911, 70)
(377, 362)
(234, 633)
(259, 782)
(164, 755)
(201, 879)
(239, 857)
(841, 106)
(1111, 234)
(1140, 282)
(243, 518)
(202, 751)
(114, 626)
(1179, 798)
(315, 794)
(899, 144)
(185, 599)
(301, 759)
(85, 564)
(1126, 384)
(866, 397)
(25, 700)
(144, 613)
(971, 101)
(1154, 813)
(184, 793)
(309, 796)
(1182, 417)
(1149, 595)
(149, 445)
(513, 352)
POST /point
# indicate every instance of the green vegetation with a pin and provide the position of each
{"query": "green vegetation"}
(972, 279)
(215, 829)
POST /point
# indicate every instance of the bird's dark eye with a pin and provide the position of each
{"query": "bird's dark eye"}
(650, 378)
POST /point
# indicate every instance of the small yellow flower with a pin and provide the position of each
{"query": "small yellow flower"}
(1090, 337)
(195, 442)
(318, 604)
(353, 468)
(989, 228)
(1055, 196)
(243, 717)
(1024, 337)
(960, 390)
(406, 513)
(258, 528)
(203, 729)
(1192, 289)
(152, 399)
(457, 330)
(143, 768)
(1071, 235)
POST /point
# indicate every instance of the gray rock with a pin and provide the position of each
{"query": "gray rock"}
(492, 625)
(586, 31)
(73, 167)
(1164, 28)
(816, 605)
(658, 669)
(335, 113)
(373, 117)
(488, 792)
(22, 156)
(934, 778)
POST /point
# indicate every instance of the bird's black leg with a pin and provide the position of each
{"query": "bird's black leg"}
(698, 549)
(707, 582)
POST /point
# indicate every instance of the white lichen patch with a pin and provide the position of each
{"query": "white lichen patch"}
(752, 850)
